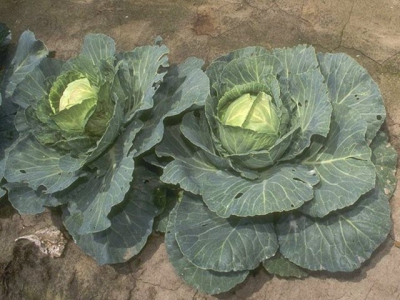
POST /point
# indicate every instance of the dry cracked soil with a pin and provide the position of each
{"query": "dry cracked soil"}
(368, 30)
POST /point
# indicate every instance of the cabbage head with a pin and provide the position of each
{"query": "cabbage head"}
(84, 125)
(286, 166)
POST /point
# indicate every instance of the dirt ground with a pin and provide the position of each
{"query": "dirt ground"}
(368, 30)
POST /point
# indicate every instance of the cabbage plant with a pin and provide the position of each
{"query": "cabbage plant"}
(286, 166)
(84, 125)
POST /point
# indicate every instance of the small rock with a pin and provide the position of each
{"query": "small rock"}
(50, 241)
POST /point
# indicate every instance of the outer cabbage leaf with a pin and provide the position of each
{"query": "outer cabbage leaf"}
(310, 94)
(34, 86)
(25, 60)
(27, 56)
(30, 162)
(196, 130)
(211, 242)
(339, 242)
(207, 281)
(350, 84)
(303, 86)
(346, 238)
(227, 193)
(106, 187)
(215, 69)
(281, 266)
(28, 201)
(282, 188)
(139, 76)
(184, 87)
(244, 70)
(343, 164)
(131, 222)
(182, 170)
(161, 222)
(98, 47)
(296, 60)
(109, 136)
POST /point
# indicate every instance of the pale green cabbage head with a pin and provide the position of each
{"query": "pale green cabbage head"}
(256, 113)
(77, 92)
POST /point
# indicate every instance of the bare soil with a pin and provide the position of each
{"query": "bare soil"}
(366, 30)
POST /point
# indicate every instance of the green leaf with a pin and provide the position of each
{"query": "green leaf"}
(26, 200)
(86, 68)
(282, 188)
(237, 141)
(28, 55)
(189, 167)
(161, 222)
(296, 60)
(248, 70)
(99, 120)
(196, 130)
(131, 223)
(28, 121)
(8, 134)
(140, 77)
(281, 266)
(308, 90)
(211, 242)
(384, 156)
(214, 70)
(350, 84)
(35, 85)
(93, 199)
(30, 162)
(265, 158)
(98, 48)
(206, 281)
(111, 133)
(343, 164)
(75, 118)
(186, 86)
(342, 241)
